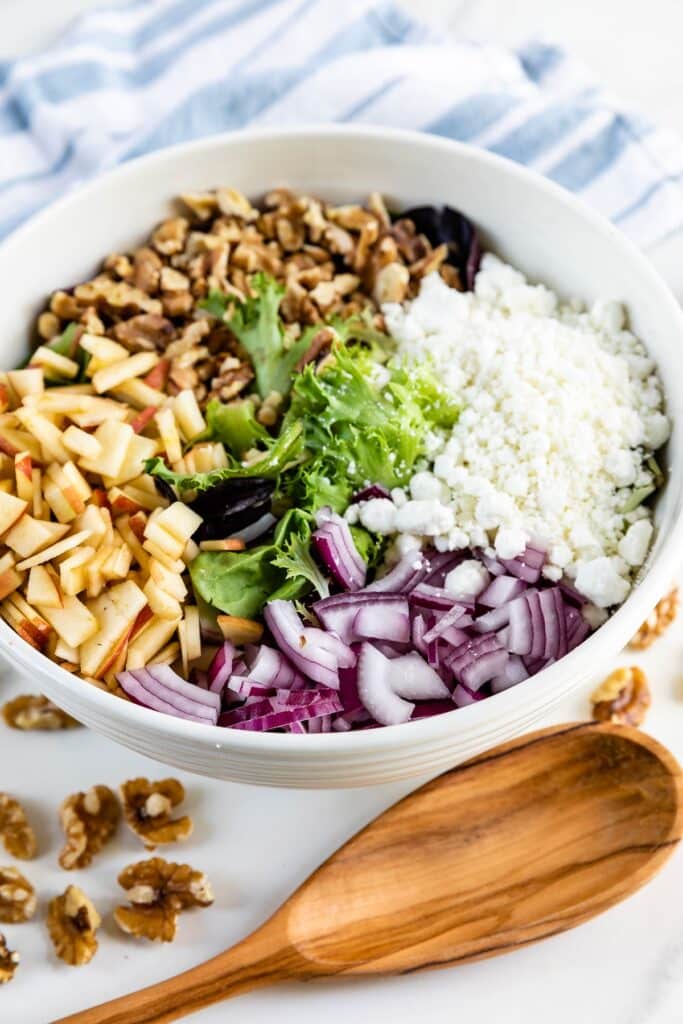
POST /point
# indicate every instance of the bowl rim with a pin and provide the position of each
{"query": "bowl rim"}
(614, 633)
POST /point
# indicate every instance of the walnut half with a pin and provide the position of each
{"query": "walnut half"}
(17, 897)
(623, 697)
(72, 922)
(31, 711)
(89, 821)
(17, 835)
(147, 807)
(659, 620)
(9, 961)
(158, 890)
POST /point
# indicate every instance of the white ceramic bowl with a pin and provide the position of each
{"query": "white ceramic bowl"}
(538, 227)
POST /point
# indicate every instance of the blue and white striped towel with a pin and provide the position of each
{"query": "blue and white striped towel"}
(129, 79)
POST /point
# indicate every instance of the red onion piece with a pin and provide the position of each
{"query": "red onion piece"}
(375, 690)
(376, 622)
(220, 668)
(299, 645)
(335, 545)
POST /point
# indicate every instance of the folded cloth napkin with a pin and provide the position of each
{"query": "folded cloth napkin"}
(125, 80)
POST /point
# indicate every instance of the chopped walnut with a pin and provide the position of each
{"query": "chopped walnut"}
(145, 332)
(89, 821)
(147, 807)
(269, 409)
(35, 712)
(48, 326)
(115, 296)
(17, 897)
(657, 622)
(147, 270)
(9, 961)
(623, 697)
(158, 890)
(391, 283)
(17, 835)
(72, 922)
(170, 236)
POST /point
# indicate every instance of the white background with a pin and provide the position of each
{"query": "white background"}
(256, 845)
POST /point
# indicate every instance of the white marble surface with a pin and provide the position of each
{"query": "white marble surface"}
(623, 968)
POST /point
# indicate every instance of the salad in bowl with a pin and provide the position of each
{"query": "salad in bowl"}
(302, 467)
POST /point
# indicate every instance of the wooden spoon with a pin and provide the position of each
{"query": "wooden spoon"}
(522, 842)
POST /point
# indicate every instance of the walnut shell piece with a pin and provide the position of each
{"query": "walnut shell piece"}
(89, 821)
(623, 697)
(17, 835)
(148, 806)
(72, 922)
(17, 897)
(158, 891)
(657, 622)
(9, 962)
(32, 711)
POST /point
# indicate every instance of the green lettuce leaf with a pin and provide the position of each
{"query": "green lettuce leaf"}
(285, 451)
(235, 425)
(257, 325)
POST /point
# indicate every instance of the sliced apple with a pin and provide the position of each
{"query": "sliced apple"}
(30, 535)
(168, 431)
(118, 564)
(167, 655)
(169, 581)
(54, 365)
(193, 637)
(110, 377)
(227, 544)
(12, 442)
(81, 443)
(11, 511)
(114, 438)
(145, 499)
(171, 545)
(239, 631)
(188, 414)
(46, 432)
(138, 394)
(138, 522)
(143, 648)
(138, 451)
(63, 509)
(23, 468)
(10, 579)
(26, 382)
(115, 612)
(98, 411)
(158, 375)
(74, 623)
(190, 552)
(143, 419)
(5, 398)
(43, 589)
(120, 503)
(55, 550)
(180, 521)
(98, 525)
(99, 498)
(103, 351)
(63, 652)
(132, 542)
(72, 578)
(39, 510)
(161, 602)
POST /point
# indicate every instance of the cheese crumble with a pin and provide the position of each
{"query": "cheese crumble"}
(562, 408)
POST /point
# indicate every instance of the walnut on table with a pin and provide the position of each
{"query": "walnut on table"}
(17, 835)
(34, 712)
(148, 806)
(657, 622)
(9, 961)
(72, 922)
(158, 891)
(89, 821)
(17, 897)
(623, 697)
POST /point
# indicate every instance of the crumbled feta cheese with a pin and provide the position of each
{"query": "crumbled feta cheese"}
(599, 581)
(470, 577)
(561, 408)
(428, 517)
(378, 515)
(425, 485)
(633, 547)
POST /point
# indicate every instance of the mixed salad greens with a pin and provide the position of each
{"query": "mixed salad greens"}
(356, 419)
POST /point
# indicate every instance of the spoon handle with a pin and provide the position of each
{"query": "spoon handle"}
(261, 959)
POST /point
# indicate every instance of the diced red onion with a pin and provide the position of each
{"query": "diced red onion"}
(451, 618)
(338, 613)
(374, 688)
(256, 529)
(299, 645)
(413, 679)
(372, 491)
(500, 591)
(491, 621)
(528, 565)
(483, 668)
(334, 543)
(462, 696)
(166, 691)
(220, 668)
(514, 672)
(375, 622)
(283, 718)
(410, 571)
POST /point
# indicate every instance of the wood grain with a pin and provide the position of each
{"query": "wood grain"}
(523, 842)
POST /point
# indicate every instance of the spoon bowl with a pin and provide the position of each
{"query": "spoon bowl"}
(523, 842)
